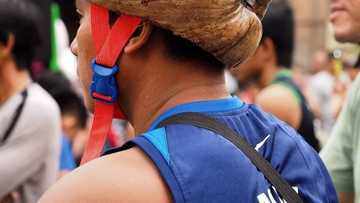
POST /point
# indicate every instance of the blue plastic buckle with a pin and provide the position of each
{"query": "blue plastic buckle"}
(103, 86)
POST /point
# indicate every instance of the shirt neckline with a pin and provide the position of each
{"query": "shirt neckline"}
(227, 104)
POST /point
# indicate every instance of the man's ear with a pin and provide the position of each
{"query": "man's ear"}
(7, 48)
(135, 43)
(267, 47)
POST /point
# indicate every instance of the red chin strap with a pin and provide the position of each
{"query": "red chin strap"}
(109, 43)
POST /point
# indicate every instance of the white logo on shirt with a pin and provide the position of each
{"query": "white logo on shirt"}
(258, 146)
(269, 198)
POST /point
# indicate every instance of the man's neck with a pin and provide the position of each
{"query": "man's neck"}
(12, 81)
(186, 95)
(268, 75)
(187, 85)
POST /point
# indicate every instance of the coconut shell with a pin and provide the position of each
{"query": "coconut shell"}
(228, 29)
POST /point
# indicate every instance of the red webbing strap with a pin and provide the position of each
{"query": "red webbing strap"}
(122, 30)
(109, 43)
(100, 128)
(100, 27)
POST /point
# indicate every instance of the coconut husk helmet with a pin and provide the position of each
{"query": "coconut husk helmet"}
(228, 29)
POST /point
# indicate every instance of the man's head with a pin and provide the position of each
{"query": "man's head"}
(149, 46)
(277, 44)
(345, 17)
(320, 61)
(73, 113)
(154, 45)
(18, 32)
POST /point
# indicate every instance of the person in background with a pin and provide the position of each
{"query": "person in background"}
(74, 116)
(270, 68)
(74, 122)
(341, 154)
(350, 72)
(342, 86)
(321, 89)
(320, 62)
(30, 119)
(355, 70)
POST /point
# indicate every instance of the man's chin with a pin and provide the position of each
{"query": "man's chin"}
(351, 37)
(346, 32)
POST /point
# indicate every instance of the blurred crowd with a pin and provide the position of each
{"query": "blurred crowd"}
(45, 124)
(324, 86)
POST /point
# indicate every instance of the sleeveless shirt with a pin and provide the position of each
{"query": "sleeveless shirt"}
(200, 166)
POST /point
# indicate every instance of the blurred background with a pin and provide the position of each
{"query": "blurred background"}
(313, 30)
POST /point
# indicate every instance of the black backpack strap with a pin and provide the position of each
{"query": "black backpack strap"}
(16, 117)
(206, 122)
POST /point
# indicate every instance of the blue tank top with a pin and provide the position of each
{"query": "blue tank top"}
(200, 166)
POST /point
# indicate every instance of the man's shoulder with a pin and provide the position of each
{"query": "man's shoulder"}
(128, 176)
(351, 109)
(39, 95)
(276, 93)
(350, 114)
(280, 101)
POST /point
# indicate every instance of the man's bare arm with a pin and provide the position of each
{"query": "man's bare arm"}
(122, 177)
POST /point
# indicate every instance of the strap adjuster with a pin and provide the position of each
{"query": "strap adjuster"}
(103, 86)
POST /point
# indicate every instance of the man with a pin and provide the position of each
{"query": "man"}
(163, 74)
(269, 67)
(341, 154)
(30, 118)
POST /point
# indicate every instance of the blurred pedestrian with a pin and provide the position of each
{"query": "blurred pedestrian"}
(30, 118)
(352, 71)
(74, 117)
(270, 68)
(321, 88)
(342, 152)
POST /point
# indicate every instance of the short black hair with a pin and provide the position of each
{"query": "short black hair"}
(181, 49)
(54, 83)
(59, 87)
(70, 103)
(278, 25)
(19, 17)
